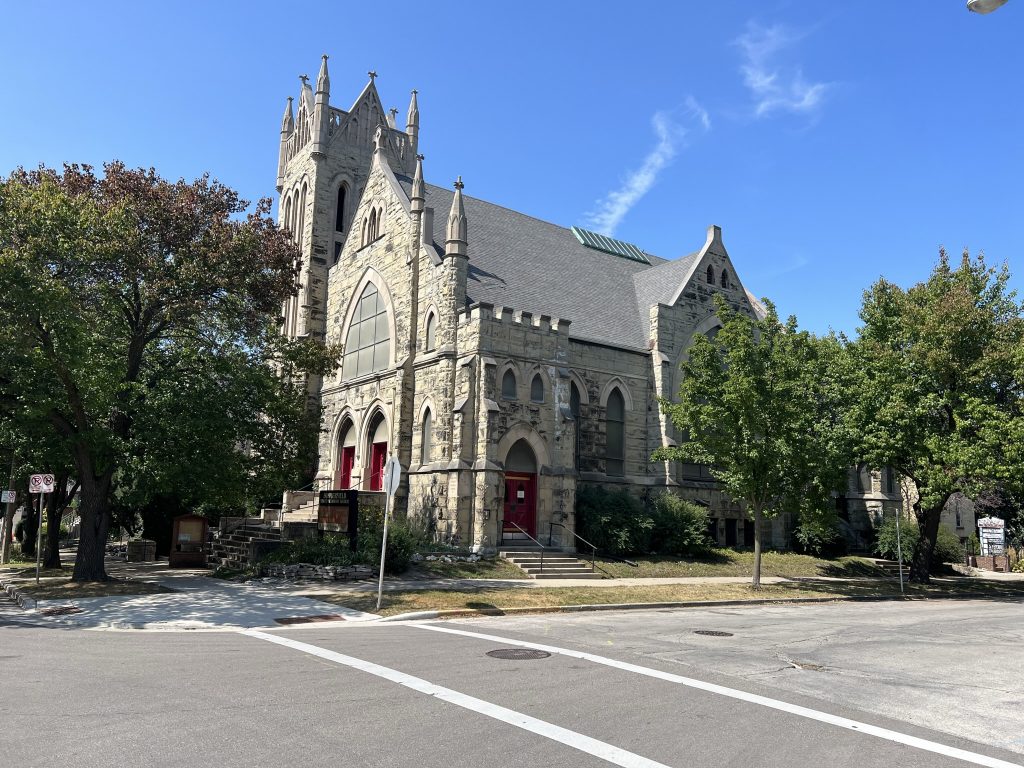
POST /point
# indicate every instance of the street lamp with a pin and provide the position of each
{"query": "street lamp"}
(984, 6)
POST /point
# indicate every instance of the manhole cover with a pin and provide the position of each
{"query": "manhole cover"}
(518, 654)
(712, 633)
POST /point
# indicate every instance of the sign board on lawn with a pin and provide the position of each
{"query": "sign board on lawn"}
(40, 484)
(991, 532)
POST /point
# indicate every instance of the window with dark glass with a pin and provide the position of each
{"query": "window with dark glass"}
(615, 418)
(508, 385)
(711, 275)
(339, 213)
(537, 389)
(427, 443)
(725, 279)
(574, 407)
(368, 344)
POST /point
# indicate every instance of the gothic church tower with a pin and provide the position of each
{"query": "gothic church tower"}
(322, 169)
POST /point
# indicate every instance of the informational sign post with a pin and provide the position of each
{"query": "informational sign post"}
(392, 476)
(8, 497)
(41, 484)
(992, 536)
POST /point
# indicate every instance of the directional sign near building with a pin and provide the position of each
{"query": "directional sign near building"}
(392, 475)
(40, 484)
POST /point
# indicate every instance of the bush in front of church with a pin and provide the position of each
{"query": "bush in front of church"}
(613, 521)
(680, 527)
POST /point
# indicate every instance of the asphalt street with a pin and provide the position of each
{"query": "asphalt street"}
(911, 684)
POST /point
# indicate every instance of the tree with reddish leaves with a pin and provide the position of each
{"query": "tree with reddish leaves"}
(114, 288)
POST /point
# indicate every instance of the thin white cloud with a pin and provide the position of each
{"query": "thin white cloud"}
(695, 109)
(774, 86)
(613, 207)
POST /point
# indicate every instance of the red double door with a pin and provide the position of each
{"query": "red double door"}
(378, 458)
(520, 504)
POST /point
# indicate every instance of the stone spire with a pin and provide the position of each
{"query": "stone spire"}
(321, 110)
(412, 123)
(419, 195)
(287, 128)
(288, 122)
(455, 243)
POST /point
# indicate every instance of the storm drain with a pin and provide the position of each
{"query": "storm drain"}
(61, 610)
(712, 633)
(518, 654)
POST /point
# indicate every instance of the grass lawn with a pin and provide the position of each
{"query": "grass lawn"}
(728, 562)
(539, 597)
(482, 569)
(499, 600)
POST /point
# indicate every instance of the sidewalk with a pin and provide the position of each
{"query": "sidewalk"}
(198, 603)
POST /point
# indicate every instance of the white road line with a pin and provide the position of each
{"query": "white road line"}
(608, 752)
(752, 698)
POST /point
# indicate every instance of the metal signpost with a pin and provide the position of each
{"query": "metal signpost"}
(41, 484)
(392, 475)
(899, 548)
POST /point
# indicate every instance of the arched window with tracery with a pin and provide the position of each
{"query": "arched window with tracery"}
(368, 342)
(615, 433)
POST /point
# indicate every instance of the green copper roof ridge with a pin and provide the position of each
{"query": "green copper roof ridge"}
(598, 242)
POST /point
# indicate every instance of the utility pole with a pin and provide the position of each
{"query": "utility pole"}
(8, 526)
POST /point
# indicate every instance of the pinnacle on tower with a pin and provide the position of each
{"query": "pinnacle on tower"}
(321, 111)
(419, 195)
(288, 122)
(412, 122)
(455, 243)
(392, 114)
(323, 80)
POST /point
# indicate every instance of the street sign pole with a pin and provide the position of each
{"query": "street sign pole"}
(39, 535)
(899, 548)
(392, 475)
(40, 485)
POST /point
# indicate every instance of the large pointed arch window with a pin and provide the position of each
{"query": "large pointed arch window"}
(615, 418)
(368, 344)
(427, 438)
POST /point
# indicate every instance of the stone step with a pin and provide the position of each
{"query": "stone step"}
(586, 574)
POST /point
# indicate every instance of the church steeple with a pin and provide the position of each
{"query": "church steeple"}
(321, 110)
(455, 242)
(412, 123)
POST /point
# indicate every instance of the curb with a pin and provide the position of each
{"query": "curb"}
(18, 596)
(464, 613)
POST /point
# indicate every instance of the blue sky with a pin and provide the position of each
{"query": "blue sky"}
(833, 142)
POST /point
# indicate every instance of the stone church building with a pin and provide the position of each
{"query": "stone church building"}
(505, 360)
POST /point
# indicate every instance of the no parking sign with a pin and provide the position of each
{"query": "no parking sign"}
(40, 484)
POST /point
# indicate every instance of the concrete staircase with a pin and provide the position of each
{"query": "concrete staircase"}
(556, 563)
(234, 548)
(892, 567)
(304, 513)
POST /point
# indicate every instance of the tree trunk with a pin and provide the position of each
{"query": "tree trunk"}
(756, 583)
(94, 511)
(30, 527)
(928, 522)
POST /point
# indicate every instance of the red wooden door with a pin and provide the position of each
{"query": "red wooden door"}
(520, 504)
(344, 476)
(378, 457)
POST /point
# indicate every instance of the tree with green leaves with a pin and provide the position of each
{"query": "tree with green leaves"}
(132, 306)
(762, 405)
(940, 387)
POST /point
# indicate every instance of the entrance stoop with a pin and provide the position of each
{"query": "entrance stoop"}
(556, 564)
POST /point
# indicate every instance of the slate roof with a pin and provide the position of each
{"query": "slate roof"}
(521, 262)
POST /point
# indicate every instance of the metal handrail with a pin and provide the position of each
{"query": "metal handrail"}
(593, 548)
(501, 532)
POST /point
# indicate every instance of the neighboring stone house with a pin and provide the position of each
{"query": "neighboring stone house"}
(504, 360)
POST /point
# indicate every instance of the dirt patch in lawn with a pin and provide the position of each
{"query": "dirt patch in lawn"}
(62, 588)
(497, 568)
